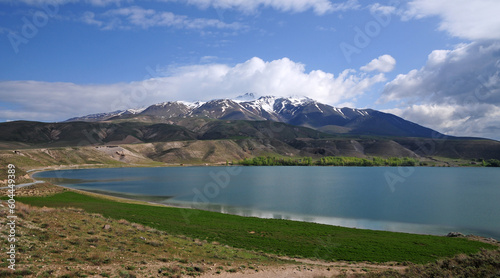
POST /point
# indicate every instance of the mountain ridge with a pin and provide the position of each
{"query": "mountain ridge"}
(225, 129)
(298, 111)
(216, 141)
(213, 140)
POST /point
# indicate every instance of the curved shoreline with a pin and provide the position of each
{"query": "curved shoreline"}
(438, 231)
(315, 267)
(372, 224)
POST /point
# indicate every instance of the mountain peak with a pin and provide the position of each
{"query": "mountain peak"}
(245, 97)
(192, 105)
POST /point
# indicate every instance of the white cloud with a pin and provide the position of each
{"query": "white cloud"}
(320, 7)
(208, 59)
(457, 91)
(441, 117)
(384, 63)
(98, 3)
(283, 77)
(102, 3)
(480, 120)
(38, 2)
(377, 8)
(251, 6)
(126, 18)
(474, 20)
(89, 18)
(469, 70)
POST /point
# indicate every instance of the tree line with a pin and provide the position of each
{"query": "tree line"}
(489, 162)
(329, 161)
(347, 161)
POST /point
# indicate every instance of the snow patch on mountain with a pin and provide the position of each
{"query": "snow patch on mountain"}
(299, 100)
(192, 105)
(265, 103)
(132, 111)
(265, 107)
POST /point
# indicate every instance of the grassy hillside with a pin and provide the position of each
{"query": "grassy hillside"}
(85, 133)
(283, 237)
(69, 242)
(265, 137)
(208, 151)
(72, 242)
(33, 158)
(455, 148)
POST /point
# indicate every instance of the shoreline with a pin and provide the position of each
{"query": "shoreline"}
(365, 224)
(135, 228)
(241, 225)
(148, 252)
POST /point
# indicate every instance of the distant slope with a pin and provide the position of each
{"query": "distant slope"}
(85, 133)
(207, 140)
(93, 133)
(467, 148)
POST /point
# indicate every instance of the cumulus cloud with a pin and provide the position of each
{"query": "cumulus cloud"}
(457, 91)
(384, 63)
(283, 77)
(479, 120)
(445, 118)
(469, 70)
(474, 20)
(54, 100)
(251, 6)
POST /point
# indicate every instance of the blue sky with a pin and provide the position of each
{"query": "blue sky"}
(433, 62)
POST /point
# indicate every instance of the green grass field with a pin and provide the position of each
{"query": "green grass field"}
(282, 237)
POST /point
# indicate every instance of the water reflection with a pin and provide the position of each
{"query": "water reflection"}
(430, 201)
(335, 221)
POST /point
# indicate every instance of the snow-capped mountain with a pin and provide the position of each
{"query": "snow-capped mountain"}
(105, 116)
(300, 111)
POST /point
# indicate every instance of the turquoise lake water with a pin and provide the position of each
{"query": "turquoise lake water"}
(424, 200)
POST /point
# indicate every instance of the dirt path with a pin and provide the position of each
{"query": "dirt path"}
(308, 268)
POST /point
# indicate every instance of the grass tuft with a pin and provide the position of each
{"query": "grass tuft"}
(483, 264)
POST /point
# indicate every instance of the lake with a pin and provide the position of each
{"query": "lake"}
(423, 200)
